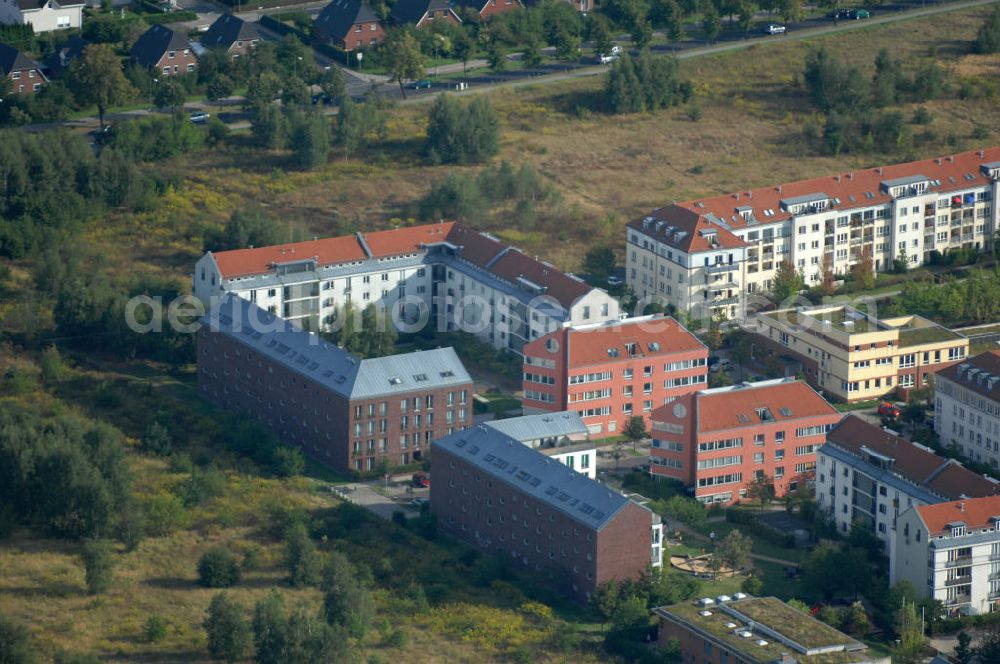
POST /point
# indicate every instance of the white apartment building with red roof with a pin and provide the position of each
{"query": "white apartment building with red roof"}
(718, 441)
(707, 255)
(951, 552)
(443, 274)
(610, 372)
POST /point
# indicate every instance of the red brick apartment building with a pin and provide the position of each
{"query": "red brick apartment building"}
(496, 493)
(608, 372)
(348, 413)
(718, 441)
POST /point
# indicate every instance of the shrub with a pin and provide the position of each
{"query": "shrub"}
(921, 116)
(251, 559)
(155, 629)
(218, 569)
(227, 628)
(98, 562)
(460, 133)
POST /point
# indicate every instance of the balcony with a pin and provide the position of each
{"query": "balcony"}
(958, 599)
(959, 581)
(963, 561)
(722, 267)
(724, 302)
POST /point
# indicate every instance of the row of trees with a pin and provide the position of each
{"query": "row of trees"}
(974, 299)
(462, 196)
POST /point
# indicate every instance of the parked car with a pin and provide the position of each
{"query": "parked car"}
(722, 365)
(421, 480)
(102, 135)
(776, 29)
(419, 502)
(840, 13)
(859, 14)
(200, 117)
(422, 84)
(887, 409)
(610, 56)
(615, 281)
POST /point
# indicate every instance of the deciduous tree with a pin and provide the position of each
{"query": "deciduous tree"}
(404, 60)
(99, 564)
(787, 282)
(227, 628)
(96, 78)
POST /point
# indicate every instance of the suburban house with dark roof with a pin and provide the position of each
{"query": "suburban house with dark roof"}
(353, 414)
(349, 24)
(487, 8)
(422, 13)
(853, 355)
(610, 371)
(712, 254)
(231, 34)
(57, 63)
(967, 407)
(718, 441)
(442, 274)
(42, 15)
(950, 552)
(25, 74)
(871, 475)
(166, 51)
(502, 496)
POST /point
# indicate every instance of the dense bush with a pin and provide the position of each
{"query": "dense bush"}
(60, 474)
(460, 196)
(461, 133)
(646, 83)
(218, 569)
(154, 138)
(976, 299)
(98, 563)
(988, 37)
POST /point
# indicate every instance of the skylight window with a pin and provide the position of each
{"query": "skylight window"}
(395, 380)
(447, 374)
(420, 378)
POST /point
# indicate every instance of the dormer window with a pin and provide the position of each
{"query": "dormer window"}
(172, 54)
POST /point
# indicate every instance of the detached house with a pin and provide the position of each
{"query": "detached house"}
(487, 8)
(42, 15)
(166, 51)
(24, 73)
(233, 35)
(349, 24)
(57, 63)
(423, 13)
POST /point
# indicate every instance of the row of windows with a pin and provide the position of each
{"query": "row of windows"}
(721, 462)
(720, 479)
(539, 378)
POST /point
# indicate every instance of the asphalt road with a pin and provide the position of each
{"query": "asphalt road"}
(361, 84)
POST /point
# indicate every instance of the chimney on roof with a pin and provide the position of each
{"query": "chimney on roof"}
(750, 195)
(961, 506)
(981, 154)
(850, 176)
(938, 161)
(737, 195)
(879, 170)
(779, 188)
(836, 178)
(951, 159)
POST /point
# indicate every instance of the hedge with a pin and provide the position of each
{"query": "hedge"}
(745, 518)
(169, 17)
(283, 29)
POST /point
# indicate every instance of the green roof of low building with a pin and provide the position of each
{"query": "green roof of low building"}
(932, 334)
(782, 630)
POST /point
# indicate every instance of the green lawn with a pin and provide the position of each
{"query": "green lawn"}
(760, 545)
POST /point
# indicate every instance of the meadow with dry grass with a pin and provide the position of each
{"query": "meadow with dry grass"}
(604, 170)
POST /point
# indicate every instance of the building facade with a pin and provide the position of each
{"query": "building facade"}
(967, 407)
(423, 13)
(609, 372)
(444, 275)
(755, 630)
(26, 75)
(165, 51)
(42, 15)
(560, 436)
(718, 441)
(829, 224)
(352, 414)
(853, 356)
(502, 496)
(871, 476)
(351, 25)
(951, 552)
(233, 35)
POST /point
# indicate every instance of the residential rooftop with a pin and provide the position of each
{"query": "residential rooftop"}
(981, 374)
(542, 425)
(885, 453)
(507, 460)
(331, 366)
(973, 513)
(762, 629)
(911, 330)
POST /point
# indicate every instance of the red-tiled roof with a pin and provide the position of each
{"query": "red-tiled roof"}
(482, 250)
(945, 477)
(328, 251)
(736, 408)
(686, 230)
(973, 512)
(851, 188)
(980, 381)
(590, 345)
(402, 241)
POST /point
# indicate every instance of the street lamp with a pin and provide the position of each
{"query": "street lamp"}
(151, 81)
(360, 57)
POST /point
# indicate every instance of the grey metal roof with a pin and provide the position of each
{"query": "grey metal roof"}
(508, 460)
(12, 59)
(991, 165)
(888, 477)
(902, 182)
(328, 365)
(542, 425)
(807, 198)
(338, 17)
(411, 11)
(227, 30)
